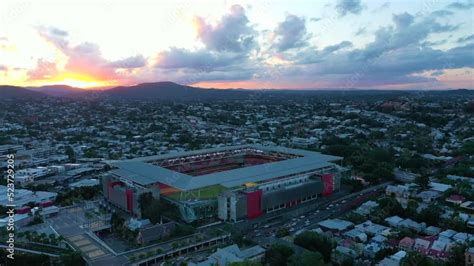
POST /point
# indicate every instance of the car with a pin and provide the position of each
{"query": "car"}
(293, 224)
(302, 216)
(291, 229)
(331, 205)
(266, 226)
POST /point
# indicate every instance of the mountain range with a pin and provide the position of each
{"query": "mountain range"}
(56, 90)
(146, 91)
(171, 91)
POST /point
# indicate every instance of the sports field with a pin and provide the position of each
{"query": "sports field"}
(203, 193)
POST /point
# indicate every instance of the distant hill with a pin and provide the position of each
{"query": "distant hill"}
(57, 90)
(171, 91)
(14, 92)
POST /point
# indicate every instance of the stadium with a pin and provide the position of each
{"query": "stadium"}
(232, 183)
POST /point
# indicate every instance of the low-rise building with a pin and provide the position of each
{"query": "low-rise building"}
(335, 225)
(456, 199)
(155, 232)
(469, 257)
(366, 208)
(231, 254)
(406, 243)
(393, 260)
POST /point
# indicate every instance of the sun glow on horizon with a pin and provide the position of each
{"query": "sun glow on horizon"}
(79, 81)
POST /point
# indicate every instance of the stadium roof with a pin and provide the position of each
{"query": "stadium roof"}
(140, 171)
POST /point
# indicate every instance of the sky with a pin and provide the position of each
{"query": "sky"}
(403, 44)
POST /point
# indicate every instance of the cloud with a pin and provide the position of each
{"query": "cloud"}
(84, 58)
(361, 31)
(229, 44)
(406, 32)
(383, 6)
(437, 73)
(232, 33)
(129, 62)
(199, 72)
(339, 46)
(58, 32)
(397, 55)
(403, 20)
(43, 70)
(200, 60)
(462, 5)
(291, 33)
(469, 38)
(345, 7)
(442, 13)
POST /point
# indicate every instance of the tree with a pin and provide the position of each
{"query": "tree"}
(282, 232)
(277, 255)
(70, 154)
(245, 263)
(422, 181)
(308, 258)
(150, 207)
(384, 253)
(183, 230)
(72, 259)
(315, 242)
(391, 205)
(457, 255)
(414, 258)
(355, 218)
(430, 215)
(467, 148)
(347, 262)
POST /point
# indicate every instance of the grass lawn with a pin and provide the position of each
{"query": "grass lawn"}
(203, 193)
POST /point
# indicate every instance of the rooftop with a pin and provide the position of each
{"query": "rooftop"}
(141, 170)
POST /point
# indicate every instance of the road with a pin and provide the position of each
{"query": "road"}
(32, 251)
(309, 220)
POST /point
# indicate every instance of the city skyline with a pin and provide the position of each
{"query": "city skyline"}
(270, 44)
